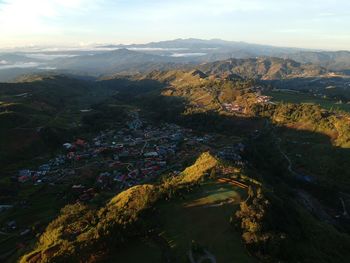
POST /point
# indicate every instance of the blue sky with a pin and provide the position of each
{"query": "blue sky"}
(321, 24)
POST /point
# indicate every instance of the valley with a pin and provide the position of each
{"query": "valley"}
(188, 131)
(151, 162)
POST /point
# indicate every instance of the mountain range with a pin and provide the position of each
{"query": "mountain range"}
(139, 58)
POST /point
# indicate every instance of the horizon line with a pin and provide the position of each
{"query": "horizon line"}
(132, 43)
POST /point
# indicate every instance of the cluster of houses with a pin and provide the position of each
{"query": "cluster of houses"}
(233, 154)
(37, 175)
(118, 159)
(263, 99)
(237, 108)
(230, 107)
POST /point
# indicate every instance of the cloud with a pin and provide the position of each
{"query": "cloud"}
(20, 65)
(37, 16)
(167, 10)
(68, 22)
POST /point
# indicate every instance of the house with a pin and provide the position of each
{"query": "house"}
(44, 167)
(123, 178)
(119, 146)
(127, 138)
(78, 188)
(161, 150)
(233, 107)
(133, 174)
(162, 163)
(116, 164)
(146, 171)
(124, 154)
(151, 154)
(155, 168)
(229, 154)
(25, 232)
(5, 207)
(23, 179)
(237, 108)
(104, 178)
(25, 172)
(71, 155)
(12, 225)
(240, 147)
(80, 142)
(85, 197)
(86, 155)
(263, 99)
(68, 146)
(177, 137)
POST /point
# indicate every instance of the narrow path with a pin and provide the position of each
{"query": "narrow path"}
(207, 256)
(167, 256)
(290, 164)
(144, 147)
(345, 213)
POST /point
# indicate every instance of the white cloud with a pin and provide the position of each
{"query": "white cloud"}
(167, 10)
(220, 7)
(181, 55)
(68, 22)
(20, 65)
(33, 16)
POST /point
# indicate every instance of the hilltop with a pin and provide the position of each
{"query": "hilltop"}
(264, 68)
(336, 61)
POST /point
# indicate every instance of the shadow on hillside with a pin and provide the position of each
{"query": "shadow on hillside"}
(312, 154)
(318, 166)
(316, 85)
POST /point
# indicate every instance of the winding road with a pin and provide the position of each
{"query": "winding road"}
(207, 256)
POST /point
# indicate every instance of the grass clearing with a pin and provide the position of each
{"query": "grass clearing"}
(204, 216)
(135, 252)
(288, 97)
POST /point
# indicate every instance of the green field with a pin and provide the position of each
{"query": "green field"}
(204, 217)
(135, 252)
(289, 97)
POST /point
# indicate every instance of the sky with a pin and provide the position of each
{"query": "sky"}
(321, 24)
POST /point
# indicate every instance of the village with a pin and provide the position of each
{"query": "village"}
(240, 109)
(117, 159)
(93, 167)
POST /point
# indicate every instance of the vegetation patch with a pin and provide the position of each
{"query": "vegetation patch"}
(188, 220)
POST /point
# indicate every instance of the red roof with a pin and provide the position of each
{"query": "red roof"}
(23, 178)
(80, 142)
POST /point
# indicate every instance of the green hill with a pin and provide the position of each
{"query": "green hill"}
(89, 233)
(264, 68)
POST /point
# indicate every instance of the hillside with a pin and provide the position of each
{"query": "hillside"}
(38, 112)
(207, 50)
(165, 55)
(120, 60)
(264, 68)
(120, 184)
(90, 232)
(336, 61)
